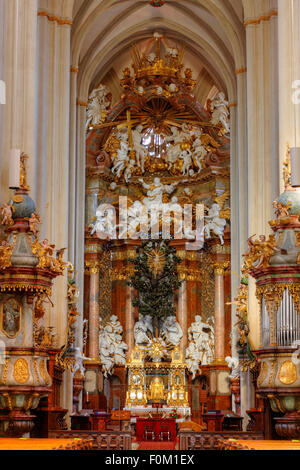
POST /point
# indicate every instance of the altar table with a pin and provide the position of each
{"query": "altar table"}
(156, 424)
(45, 444)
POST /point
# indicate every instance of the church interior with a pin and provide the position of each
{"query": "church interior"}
(150, 224)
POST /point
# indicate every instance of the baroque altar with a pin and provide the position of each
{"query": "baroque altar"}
(157, 169)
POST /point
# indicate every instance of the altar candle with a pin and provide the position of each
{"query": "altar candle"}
(14, 168)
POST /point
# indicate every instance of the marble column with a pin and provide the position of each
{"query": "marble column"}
(94, 312)
(219, 269)
(182, 315)
(289, 76)
(19, 73)
(129, 319)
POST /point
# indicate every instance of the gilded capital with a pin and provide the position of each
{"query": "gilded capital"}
(221, 266)
(92, 267)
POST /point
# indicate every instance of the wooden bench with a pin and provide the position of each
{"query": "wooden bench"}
(239, 444)
(101, 440)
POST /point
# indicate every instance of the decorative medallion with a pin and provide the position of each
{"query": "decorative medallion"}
(264, 369)
(21, 371)
(10, 317)
(287, 373)
(18, 198)
(44, 372)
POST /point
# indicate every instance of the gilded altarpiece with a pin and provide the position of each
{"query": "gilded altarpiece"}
(158, 142)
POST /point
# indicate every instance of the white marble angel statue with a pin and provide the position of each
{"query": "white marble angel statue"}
(141, 328)
(233, 364)
(173, 150)
(156, 190)
(192, 358)
(99, 102)
(79, 358)
(201, 334)
(121, 159)
(172, 330)
(220, 113)
(111, 347)
(140, 150)
(200, 151)
(215, 223)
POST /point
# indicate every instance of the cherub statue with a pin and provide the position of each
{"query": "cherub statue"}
(6, 212)
(281, 210)
(34, 222)
(220, 113)
(186, 156)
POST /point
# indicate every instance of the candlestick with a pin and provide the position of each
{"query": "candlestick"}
(14, 168)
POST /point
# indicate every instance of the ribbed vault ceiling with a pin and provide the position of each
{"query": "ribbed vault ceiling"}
(211, 31)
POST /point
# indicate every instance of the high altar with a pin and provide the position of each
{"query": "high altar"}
(158, 148)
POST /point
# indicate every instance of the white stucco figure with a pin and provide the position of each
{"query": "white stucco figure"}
(186, 156)
(140, 150)
(200, 151)
(215, 223)
(200, 350)
(111, 347)
(220, 112)
(121, 159)
(129, 170)
(105, 223)
(156, 190)
(141, 329)
(172, 330)
(99, 102)
(233, 364)
(79, 358)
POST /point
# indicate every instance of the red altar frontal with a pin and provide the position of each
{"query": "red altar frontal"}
(156, 428)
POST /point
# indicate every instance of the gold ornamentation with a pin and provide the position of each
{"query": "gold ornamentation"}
(264, 369)
(260, 252)
(21, 371)
(92, 267)
(287, 373)
(221, 266)
(5, 255)
(36, 371)
(5, 369)
(44, 372)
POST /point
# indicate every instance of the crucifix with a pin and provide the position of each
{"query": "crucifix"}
(129, 126)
